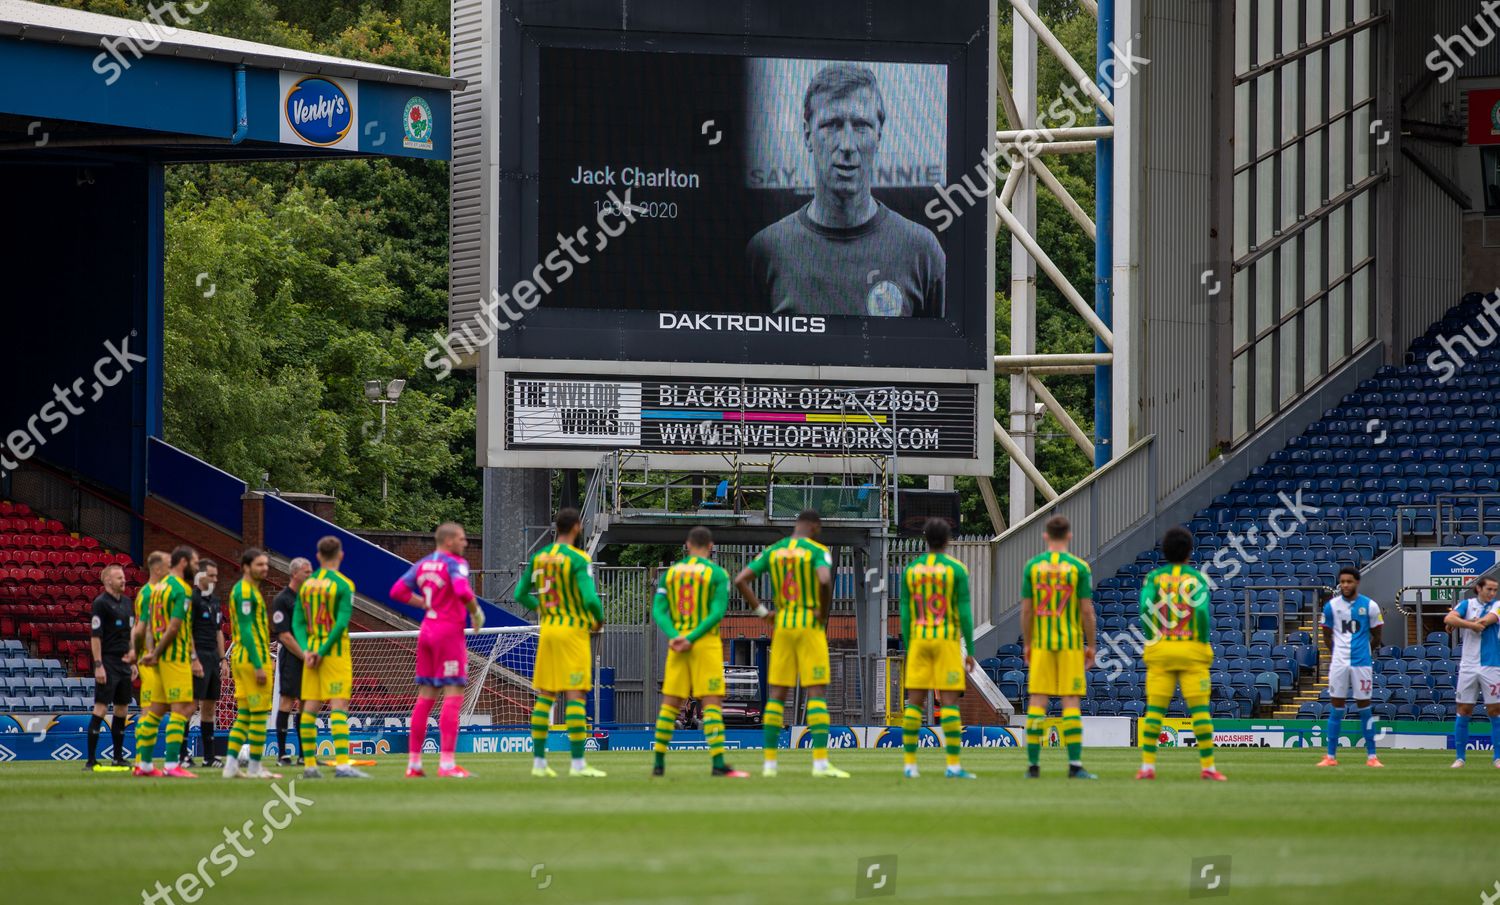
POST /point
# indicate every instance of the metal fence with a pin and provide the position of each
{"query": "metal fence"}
(1100, 508)
(88, 513)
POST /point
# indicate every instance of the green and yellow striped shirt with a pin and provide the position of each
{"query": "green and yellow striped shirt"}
(691, 598)
(251, 631)
(321, 620)
(559, 583)
(169, 600)
(1056, 583)
(935, 600)
(1176, 605)
(793, 564)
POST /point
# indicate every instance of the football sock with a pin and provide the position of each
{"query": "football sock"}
(1156, 711)
(176, 729)
(145, 738)
(1367, 724)
(911, 729)
(1072, 732)
(307, 734)
(953, 734)
(1335, 720)
(96, 723)
(256, 737)
(817, 724)
(453, 706)
(1203, 730)
(282, 716)
(420, 711)
(1461, 735)
(771, 728)
(1035, 718)
(238, 730)
(713, 732)
(578, 729)
(666, 723)
(338, 726)
(541, 722)
(1495, 736)
(117, 735)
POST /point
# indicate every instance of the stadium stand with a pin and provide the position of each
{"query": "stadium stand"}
(48, 580)
(1396, 461)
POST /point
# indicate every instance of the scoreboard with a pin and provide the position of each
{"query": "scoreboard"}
(723, 228)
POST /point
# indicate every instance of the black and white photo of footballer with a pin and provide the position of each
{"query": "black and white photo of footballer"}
(844, 253)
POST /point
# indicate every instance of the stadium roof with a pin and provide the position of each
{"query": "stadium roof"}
(40, 22)
(76, 85)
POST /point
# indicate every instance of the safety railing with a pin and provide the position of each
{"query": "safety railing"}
(1100, 507)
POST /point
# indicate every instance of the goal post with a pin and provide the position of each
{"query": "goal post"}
(499, 687)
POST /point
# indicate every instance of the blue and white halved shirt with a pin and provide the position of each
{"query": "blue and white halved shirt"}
(1351, 621)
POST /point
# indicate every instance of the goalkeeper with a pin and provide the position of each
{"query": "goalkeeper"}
(440, 582)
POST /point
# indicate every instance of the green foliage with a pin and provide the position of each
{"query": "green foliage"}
(323, 274)
(1058, 327)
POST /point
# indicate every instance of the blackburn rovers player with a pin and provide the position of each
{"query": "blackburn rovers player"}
(1478, 622)
(440, 581)
(1351, 629)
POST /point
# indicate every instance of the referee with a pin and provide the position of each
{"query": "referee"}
(114, 664)
(208, 640)
(289, 660)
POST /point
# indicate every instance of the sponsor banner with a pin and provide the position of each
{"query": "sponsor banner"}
(321, 111)
(682, 739)
(1178, 733)
(586, 413)
(1484, 116)
(1454, 568)
(761, 416)
(891, 737)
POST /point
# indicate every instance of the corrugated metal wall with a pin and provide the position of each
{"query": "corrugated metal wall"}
(1429, 237)
(1175, 329)
(467, 208)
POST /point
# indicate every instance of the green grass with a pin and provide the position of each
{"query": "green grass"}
(1294, 833)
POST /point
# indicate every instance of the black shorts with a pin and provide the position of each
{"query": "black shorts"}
(207, 688)
(117, 685)
(289, 675)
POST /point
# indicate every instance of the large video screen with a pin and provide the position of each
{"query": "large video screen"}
(757, 185)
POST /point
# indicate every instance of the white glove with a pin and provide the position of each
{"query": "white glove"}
(476, 618)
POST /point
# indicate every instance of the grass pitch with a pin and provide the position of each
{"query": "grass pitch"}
(1287, 832)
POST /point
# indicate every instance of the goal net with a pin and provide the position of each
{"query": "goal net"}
(499, 689)
(498, 693)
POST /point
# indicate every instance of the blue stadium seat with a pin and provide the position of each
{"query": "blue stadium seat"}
(1433, 712)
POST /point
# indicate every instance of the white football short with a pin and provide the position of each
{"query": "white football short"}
(1350, 682)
